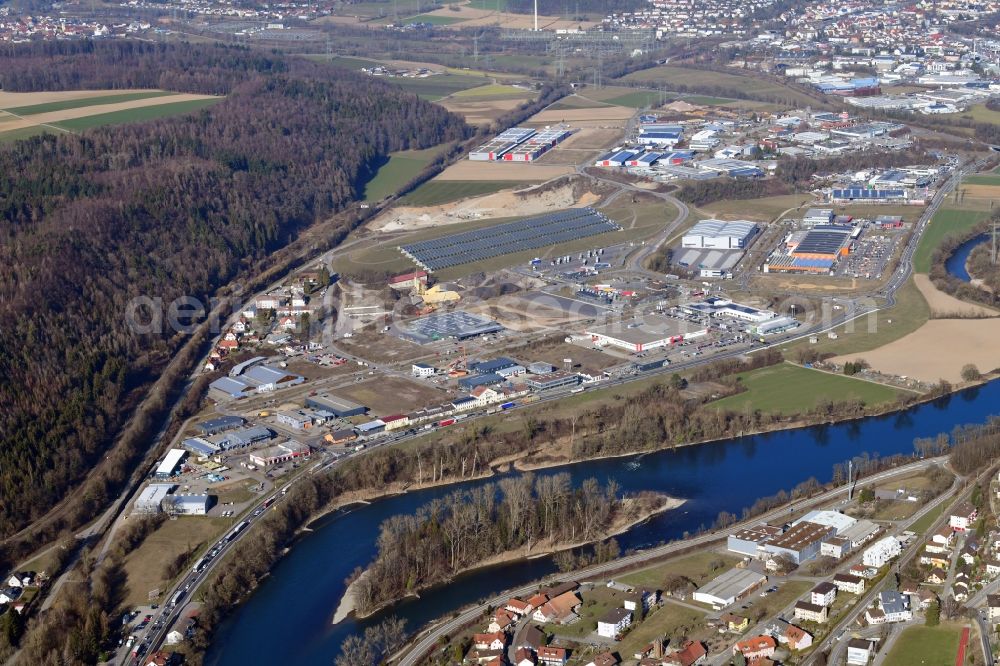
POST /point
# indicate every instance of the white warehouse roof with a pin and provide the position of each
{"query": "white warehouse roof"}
(715, 228)
(833, 519)
(170, 462)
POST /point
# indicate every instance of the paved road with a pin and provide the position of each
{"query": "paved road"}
(428, 640)
(908, 554)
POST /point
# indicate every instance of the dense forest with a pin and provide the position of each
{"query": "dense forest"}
(163, 209)
(469, 527)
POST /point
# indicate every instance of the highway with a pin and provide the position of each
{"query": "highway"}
(429, 639)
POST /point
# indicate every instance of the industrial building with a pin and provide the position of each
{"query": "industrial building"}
(817, 216)
(200, 447)
(457, 324)
(258, 379)
(869, 195)
(500, 145)
(730, 586)
(720, 235)
(151, 498)
(188, 505)
(652, 332)
(801, 542)
(715, 306)
(617, 158)
(335, 405)
(552, 380)
(242, 438)
(839, 521)
(775, 326)
(220, 424)
(535, 146)
(708, 263)
(274, 455)
(750, 541)
(170, 464)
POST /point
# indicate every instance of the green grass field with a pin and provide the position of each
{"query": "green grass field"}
(136, 115)
(983, 179)
(946, 222)
(437, 192)
(62, 105)
(639, 99)
(347, 62)
(577, 102)
(434, 88)
(491, 91)
(930, 646)
(758, 88)
(792, 389)
(401, 168)
(925, 521)
(23, 133)
(432, 19)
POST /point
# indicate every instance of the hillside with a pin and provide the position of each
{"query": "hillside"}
(156, 210)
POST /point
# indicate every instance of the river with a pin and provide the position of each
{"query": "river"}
(955, 265)
(288, 619)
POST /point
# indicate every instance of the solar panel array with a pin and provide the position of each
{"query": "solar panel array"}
(529, 234)
(823, 241)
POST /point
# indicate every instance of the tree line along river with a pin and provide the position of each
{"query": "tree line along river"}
(288, 619)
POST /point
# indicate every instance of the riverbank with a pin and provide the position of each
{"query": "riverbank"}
(347, 607)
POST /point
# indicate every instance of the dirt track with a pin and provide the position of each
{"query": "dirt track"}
(480, 112)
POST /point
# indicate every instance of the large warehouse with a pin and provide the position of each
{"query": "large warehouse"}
(335, 405)
(801, 543)
(150, 500)
(730, 586)
(503, 143)
(652, 332)
(720, 235)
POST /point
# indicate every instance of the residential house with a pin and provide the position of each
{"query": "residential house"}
(524, 657)
(492, 641)
(859, 651)
(810, 612)
(926, 597)
(614, 623)
(992, 568)
(864, 571)
(603, 659)
(934, 559)
(9, 594)
(756, 647)
(735, 623)
(796, 638)
(159, 658)
(968, 552)
(502, 621)
(174, 637)
(690, 654)
(937, 576)
(823, 594)
(560, 610)
(962, 517)
(960, 587)
(993, 606)
(537, 600)
(518, 607)
(484, 657)
(944, 537)
(21, 579)
(645, 597)
(849, 583)
(895, 606)
(531, 638)
(552, 656)
(881, 552)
